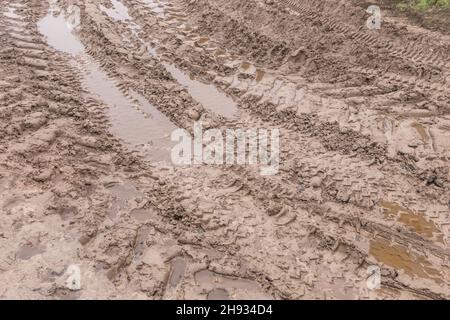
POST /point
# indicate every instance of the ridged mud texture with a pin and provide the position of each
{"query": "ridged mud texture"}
(365, 139)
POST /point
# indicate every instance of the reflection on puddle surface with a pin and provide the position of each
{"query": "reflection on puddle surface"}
(118, 12)
(246, 65)
(259, 75)
(143, 126)
(398, 257)
(207, 95)
(59, 35)
(177, 271)
(134, 120)
(411, 219)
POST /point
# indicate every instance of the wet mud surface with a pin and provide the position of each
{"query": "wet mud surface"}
(86, 177)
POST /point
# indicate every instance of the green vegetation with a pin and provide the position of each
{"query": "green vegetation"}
(424, 4)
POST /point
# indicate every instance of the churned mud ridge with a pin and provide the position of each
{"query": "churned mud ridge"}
(280, 114)
(290, 217)
(183, 182)
(59, 164)
(349, 140)
(324, 29)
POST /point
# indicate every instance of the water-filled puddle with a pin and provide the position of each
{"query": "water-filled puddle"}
(259, 75)
(415, 221)
(118, 12)
(207, 95)
(59, 35)
(133, 118)
(122, 194)
(398, 257)
(138, 123)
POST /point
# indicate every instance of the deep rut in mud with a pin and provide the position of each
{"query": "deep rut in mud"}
(86, 173)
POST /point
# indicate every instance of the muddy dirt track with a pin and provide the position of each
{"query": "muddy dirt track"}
(85, 171)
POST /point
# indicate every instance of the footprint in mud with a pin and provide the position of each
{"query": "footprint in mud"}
(29, 250)
(422, 131)
(221, 287)
(123, 194)
(177, 271)
(142, 215)
(59, 35)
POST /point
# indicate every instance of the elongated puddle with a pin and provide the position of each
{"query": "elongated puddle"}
(416, 221)
(133, 118)
(398, 257)
(207, 95)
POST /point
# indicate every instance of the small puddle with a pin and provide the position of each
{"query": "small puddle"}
(398, 257)
(260, 75)
(177, 271)
(206, 94)
(142, 126)
(123, 194)
(203, 40)
(118, 12)
(422, 131)
(59, 35)
(411, 219)
(133, 118)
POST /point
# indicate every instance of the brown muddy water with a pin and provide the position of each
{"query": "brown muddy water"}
(133, 118)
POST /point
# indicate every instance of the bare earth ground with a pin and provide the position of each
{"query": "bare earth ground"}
(86, 177)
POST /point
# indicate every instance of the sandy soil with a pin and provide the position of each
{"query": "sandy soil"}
(85, 171)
